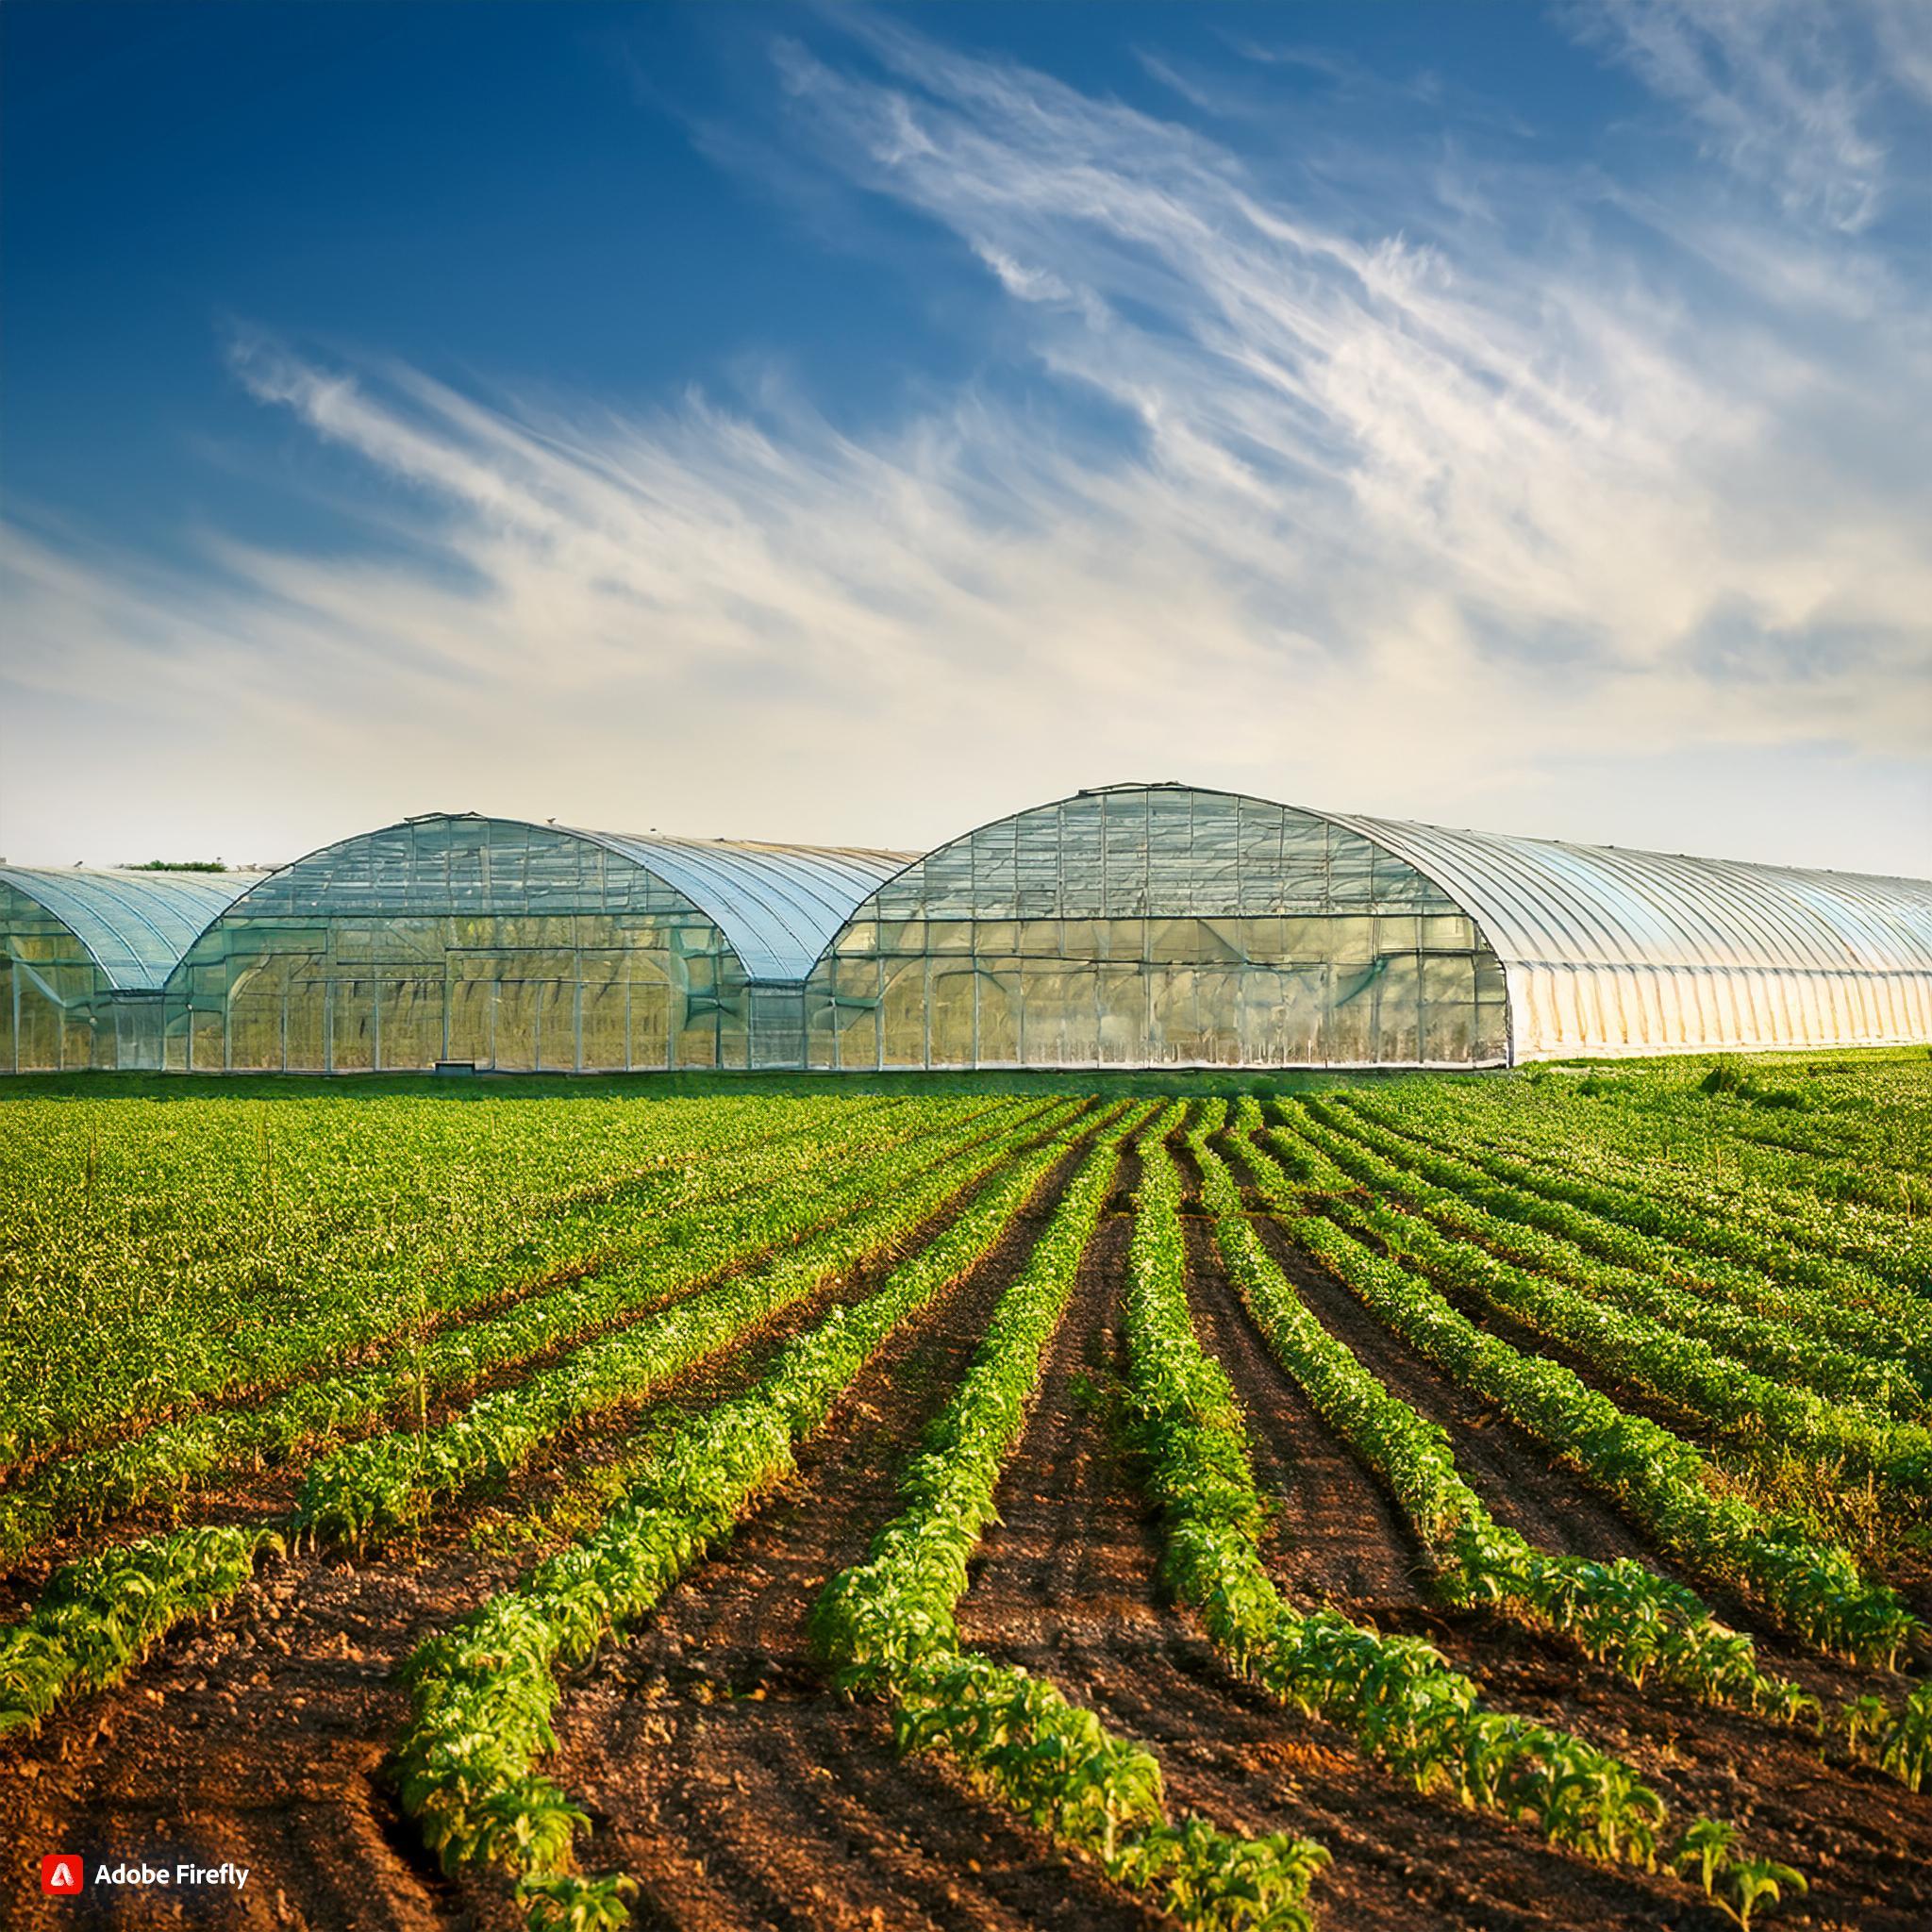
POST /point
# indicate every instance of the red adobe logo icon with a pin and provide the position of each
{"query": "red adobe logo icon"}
(61, 1873)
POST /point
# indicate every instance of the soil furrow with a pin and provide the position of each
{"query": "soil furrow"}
(1068, 1586)
(1522, 1483)
(291, 1701)
(1333, 1536)
(1513, 1473)
(1863, 1841)
(727, 1775)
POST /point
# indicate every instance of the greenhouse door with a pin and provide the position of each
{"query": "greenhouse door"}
(471, 997)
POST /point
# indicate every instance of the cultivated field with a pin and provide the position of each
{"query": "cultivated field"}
(1475, 1503)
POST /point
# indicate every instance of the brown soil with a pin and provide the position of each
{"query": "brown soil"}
(261, 1740)
(1067, 1588)
(1863, 1841)
(1524, 1487)
(1333, 1536)
(728, 1778)
(1508, 1468)
(721, 1770)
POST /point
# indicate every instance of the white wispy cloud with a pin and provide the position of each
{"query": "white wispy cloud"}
(1788, 92)
(1436, 505)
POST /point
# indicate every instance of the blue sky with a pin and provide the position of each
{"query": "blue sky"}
(852, 425)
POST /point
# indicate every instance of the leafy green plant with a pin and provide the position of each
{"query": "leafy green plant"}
(887, 1625)
(1621, 1612)
(1397, 1696)
(482, 1693)
(1817, 1591)
(1753, 1882)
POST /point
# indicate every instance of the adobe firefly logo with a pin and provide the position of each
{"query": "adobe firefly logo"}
(60, 1874)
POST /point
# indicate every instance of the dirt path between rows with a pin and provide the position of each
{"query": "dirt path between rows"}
(261, 1740)
(722, 1772)
(1513, 1473)
(1068, 1586)
(1520, 1481)
(1862, 1841)
(1333, 1536)
(264, 1497)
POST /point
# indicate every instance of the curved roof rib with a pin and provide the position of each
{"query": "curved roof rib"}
(1547, 902)
(778, 905)
(135, 925)
(1573, 917)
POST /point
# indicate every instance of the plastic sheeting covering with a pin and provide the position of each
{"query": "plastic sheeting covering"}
(778, 905)
(1158, 925)
(1609, 951)
(135, 925)
(516, 945)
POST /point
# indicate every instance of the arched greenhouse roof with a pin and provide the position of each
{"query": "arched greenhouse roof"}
(135, 925)
(778, 905)
(1609, 950)
(1541, 902)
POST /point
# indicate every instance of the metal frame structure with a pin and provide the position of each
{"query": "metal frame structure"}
(86, 952)
(1130, 926)
(1159, 926)
(1609, 951)
(459, 938)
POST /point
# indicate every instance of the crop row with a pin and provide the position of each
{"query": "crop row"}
(1774, 1257)
(1883, 1323)
(371, 1490)
(403, 1478)
(1396, 1695)
(1624, 1148)
(1622, 1613)
(482, 1694)
(1658, 1479)
(1787, 1346)
(1640, 1129)
(888, 1626)
(1639, 1350)
(669, 1256)
(131, 1332)
(100, 1617)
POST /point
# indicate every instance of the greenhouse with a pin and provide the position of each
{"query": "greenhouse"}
(86, 954)
(462, 941)
(1134, 926)
(1166, 925)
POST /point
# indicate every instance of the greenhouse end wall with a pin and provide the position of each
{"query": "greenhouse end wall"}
(1157, 926)
(460, 940)
(84, 953)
